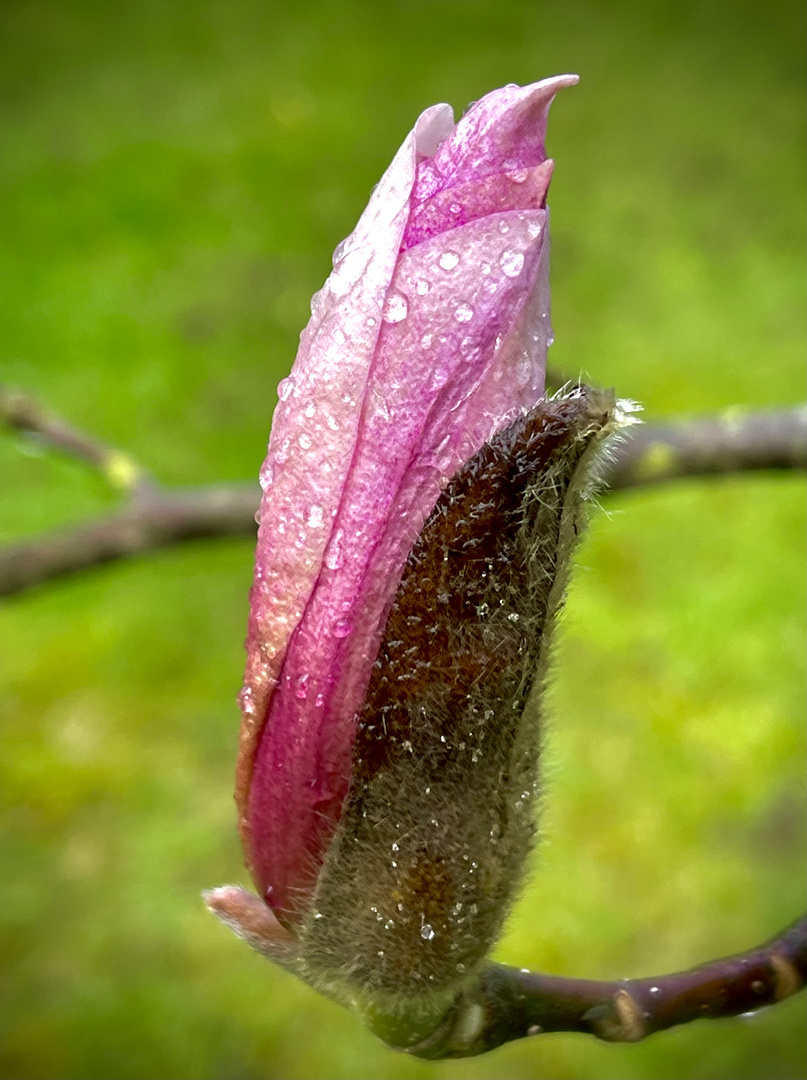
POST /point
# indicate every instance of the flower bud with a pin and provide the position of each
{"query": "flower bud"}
(421, 498)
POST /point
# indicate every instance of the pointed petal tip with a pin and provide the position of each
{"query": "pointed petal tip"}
(250, 919)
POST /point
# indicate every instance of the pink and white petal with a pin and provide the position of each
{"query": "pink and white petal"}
(504, 130)
(314, 430)
(432, 399)
(522, 189)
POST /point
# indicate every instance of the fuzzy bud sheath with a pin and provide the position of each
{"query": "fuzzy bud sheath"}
(421, 501)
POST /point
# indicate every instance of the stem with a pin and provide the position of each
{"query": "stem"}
(507, 1003)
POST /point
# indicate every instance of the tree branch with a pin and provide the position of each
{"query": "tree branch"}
(119, 469)
(737, 441)
(157, 517)
(507, 1003)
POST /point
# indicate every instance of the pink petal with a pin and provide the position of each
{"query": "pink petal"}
(411, 362)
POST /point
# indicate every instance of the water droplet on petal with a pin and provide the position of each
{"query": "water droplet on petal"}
(304, 441)
(339, 337)
(257, 517)
(463, 312)
(511, 262)
(342, 628)
(523, 371)
(449, 260)
(309, 410)
(396, 308)
(315, 517)
(534, 229)
(266, 477)
(284, 388)
(426, 341)
(371, 321)
(426, 932)
(339, 250)
(504, 227)
(454, 208)
(519, 176)
(332, 423)
(301, 691)
(333, 556)
(422, 287)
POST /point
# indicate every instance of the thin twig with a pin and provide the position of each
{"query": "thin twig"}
(25, 414)
(739, 440)
(736, 442)
(157, 520)
(507, 1003)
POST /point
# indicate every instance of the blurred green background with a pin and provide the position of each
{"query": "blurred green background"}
(174, 176)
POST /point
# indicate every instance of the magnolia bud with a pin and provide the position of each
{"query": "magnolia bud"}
(421, 499)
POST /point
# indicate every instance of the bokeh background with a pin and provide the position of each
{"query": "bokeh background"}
(174, 176)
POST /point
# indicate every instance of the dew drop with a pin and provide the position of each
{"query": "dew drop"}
(320, 701)
(301, 690)
(339, 250)
(396, 308)
(342, 628)
(339, 337)
(454, 208)
(266, 476)
(426, 341)
(519, 176)
(309, 410)
(426, 932)
(284, 388)
(257, 517)
(304, 441)
(333, 556)
(463, 312)
(371, 321)
(315, 517)
(523, 371)
(504, 227)
(422, 287)
(511, 262)
(449, 260)
(534, 229)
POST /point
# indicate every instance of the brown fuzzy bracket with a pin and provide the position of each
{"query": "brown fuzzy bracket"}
(440, 815)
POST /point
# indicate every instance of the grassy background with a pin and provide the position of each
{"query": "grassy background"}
(174, 176)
